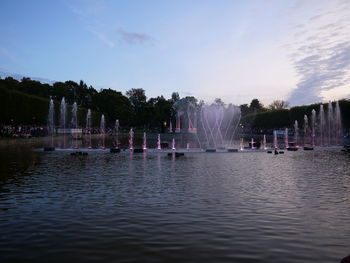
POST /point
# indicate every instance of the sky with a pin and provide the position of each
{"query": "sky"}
(294, 50)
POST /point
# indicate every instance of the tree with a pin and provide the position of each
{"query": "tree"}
(278, 104)
(114, 105)
(255, 106)
(137, 97)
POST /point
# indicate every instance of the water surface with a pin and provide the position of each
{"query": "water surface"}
(204, 207)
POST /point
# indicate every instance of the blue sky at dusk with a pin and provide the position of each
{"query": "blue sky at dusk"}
(236, 50)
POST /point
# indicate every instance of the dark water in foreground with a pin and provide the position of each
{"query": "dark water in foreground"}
(205, 207)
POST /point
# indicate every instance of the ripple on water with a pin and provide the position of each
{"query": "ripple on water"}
(250, 207)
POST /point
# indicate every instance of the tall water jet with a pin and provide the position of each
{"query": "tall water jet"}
(144, 144)
(330, 123)
(116, 134)
(322, 126)
(74, 124)
(286, 143)
(159, 147)
(102, 131)
(173, 145)
(131, 139)
(296, 133)
(170, 126)
(187, 146)
(313, 127)
(241, 145)
(63, 119)
(338, 124)
(252, 144)
(275, 140)
(51, 122)
(88, 127)
(306, 129)
(264, 142)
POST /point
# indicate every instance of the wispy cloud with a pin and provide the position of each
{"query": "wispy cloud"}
(102, 37)
(135, 38)
(321, 55)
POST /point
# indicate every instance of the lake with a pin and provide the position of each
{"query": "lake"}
(147, 207)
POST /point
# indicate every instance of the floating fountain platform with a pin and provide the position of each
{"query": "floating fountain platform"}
(210, 150)
(138, 150)
(308, 148)
(115, 150)
(176, 154)
(49, 149)
(292, 149)
(79, 153)
(232, 150)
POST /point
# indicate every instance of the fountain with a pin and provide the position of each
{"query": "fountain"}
(131, 139)
(252, 144)
(338, 124)
(313, 124)
(241, 145)
(219, 124)
(286, 143)
(170, 127)
(74, 124)
(88, 127)
(144, 144)
(63, 117)
(187, 146)
(158, 143)
(264, 142)
(275, 140)
(116, 148)
(306, 129)
(102, 131)
(330, 123)
(214, 129)
(173, 145)
(322, 126)
(51, 126)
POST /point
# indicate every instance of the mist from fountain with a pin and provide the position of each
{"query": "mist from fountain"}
(286, 143)
(241, 144)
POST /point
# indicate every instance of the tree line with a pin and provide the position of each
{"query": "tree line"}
(26, 102)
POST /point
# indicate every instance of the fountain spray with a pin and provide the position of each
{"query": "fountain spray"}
(144, 145)
(158, 143)
(131, 139)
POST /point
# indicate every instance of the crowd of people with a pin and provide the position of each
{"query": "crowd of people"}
(22, 131)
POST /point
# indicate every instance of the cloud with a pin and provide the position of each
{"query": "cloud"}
(321, 57)
(102, 37)
(135, 38)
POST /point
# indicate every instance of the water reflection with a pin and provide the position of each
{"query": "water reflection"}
(222, 207)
